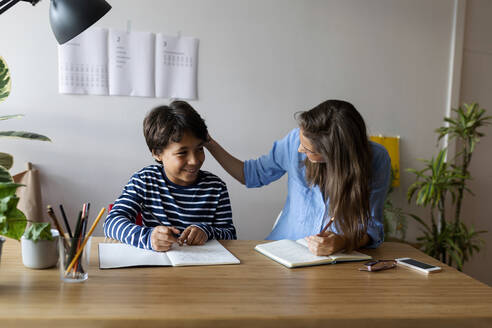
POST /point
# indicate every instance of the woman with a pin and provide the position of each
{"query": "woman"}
(334, 171)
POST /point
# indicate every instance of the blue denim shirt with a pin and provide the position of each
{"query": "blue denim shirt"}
(304, 209)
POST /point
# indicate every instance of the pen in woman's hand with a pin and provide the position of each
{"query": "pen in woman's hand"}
(327, 225)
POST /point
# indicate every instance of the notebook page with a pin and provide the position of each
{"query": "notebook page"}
(113, 255)
(290, 253)
(212, 253)
(353, 256)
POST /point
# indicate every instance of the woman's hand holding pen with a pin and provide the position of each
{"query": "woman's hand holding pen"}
(193, 235)
(325, 243)
(162, 238)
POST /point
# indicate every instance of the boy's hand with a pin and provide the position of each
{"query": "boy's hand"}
(162, 238)
(193, 236)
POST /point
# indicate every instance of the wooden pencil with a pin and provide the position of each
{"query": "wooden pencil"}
(81, 235)
(52, 215)
(91, 230)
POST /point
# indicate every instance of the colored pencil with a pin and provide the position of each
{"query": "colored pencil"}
(91, 230)
(78, 229)
(78, 265)
(66, 221)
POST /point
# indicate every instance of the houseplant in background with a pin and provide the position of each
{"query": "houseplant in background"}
(12, 221)
(449, 239)
(394, 218)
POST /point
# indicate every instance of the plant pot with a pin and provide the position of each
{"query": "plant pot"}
(42, 254)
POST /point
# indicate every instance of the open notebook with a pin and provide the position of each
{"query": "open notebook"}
(296, 254)
(121, 255)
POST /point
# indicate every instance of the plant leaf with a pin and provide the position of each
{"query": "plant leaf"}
(14, 225)
(38, 231)
(12, 221)
(25, 135)
(5, 81)
(6, 160)
(5, 175)
(419, 220)
(8, 117)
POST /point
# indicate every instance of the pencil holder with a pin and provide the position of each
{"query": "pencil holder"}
(74, 259)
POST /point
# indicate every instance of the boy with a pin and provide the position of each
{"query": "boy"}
(179, 203)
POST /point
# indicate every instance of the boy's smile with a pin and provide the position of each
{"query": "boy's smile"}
(182, 160)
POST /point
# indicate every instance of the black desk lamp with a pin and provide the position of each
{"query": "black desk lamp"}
(68, 18)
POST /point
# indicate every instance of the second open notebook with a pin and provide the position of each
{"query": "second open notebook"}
(295, 253)
(121, 255)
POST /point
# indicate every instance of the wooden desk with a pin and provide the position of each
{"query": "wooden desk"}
(257, 293)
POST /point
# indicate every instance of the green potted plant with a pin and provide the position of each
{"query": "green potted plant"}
(12, 221)
(438, 183)
(394, 218)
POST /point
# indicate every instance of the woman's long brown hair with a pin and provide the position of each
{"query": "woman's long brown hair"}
(338, 132)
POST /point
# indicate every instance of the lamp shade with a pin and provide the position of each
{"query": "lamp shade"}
(69, 18)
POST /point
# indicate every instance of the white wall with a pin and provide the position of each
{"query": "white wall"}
(260, 61)
(477, 87)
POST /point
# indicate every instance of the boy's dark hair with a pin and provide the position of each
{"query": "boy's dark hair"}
(165, 124)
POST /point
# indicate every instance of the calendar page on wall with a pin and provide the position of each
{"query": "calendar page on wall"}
(131, 63)
(83, 64)
(144, 64)
(176, 67)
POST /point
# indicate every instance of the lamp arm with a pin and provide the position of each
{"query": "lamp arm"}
(7, 4)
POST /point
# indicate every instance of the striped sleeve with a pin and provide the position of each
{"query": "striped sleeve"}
(221, 228)
(120, 222)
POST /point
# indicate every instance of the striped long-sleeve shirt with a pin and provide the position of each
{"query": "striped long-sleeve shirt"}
(204, 204)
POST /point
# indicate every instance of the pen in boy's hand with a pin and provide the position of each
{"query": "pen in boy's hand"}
(182, 238)
(193, 235)
(179, 240)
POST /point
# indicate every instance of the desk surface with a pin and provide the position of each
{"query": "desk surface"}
(257, 293)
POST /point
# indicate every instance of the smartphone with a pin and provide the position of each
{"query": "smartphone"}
(417, 265)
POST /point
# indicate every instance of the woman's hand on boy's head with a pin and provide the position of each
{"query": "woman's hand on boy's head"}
(162, 238)
(208, 141)
(325, 244)
(193, 235)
